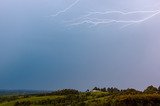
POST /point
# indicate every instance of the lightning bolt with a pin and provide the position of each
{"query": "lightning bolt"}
(88, 19)
(66, 9)
(96, 21)
(110, 12)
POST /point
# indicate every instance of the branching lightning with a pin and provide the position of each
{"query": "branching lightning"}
(96, 21)
(66, 9)
(91, 20)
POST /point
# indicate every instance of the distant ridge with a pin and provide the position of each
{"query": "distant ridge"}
(4, 92)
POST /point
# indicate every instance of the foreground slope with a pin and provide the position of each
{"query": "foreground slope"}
(68, 97)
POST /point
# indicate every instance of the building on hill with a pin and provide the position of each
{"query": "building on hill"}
(95, 90)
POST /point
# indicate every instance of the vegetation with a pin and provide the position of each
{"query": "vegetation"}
(96, 97)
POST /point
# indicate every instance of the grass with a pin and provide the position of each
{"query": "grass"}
(33, 98)
(92, 98)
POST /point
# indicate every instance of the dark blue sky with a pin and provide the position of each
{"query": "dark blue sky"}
(39, 50)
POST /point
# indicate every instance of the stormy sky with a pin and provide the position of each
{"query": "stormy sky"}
(56, 44)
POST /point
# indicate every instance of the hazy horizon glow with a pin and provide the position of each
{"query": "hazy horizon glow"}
(56, 44)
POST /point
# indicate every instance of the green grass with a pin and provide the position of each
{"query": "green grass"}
(33, 98)
(92, 96)
(92, 99)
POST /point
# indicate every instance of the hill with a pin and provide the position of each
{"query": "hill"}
(96, 97)
(20, 92)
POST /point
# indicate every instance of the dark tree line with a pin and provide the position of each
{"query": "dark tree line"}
(149, 89)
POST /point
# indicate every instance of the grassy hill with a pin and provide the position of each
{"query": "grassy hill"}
(70, 97)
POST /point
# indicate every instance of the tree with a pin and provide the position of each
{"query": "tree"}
(103, 89)
(65, 92)
(130, 91)
(96, 88)
(159, 88)
(113, 90)
(87, 90)
(151, 89)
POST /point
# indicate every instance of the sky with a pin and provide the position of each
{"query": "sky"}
(80, 44)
